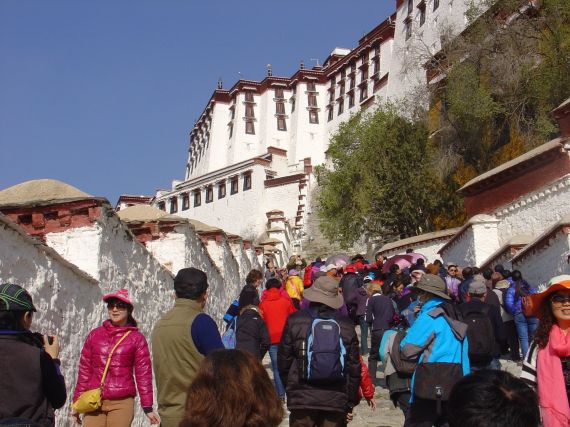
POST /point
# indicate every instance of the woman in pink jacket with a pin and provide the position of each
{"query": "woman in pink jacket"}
(131, 355)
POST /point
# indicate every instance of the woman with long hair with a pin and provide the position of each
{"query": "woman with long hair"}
(131, 354)
(547, 364)
(525, 325)
(232, 388)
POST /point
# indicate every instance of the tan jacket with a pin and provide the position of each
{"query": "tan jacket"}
(175, 359)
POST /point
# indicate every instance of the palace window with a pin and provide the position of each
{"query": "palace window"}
(249, 127)
(340, 106)
(313, 117)
(173, 205)
(351, 100)
(231, 129)
(221, 190)
(435, 4)
(161, 206)
(363, 92)
(292, 105)
(185, 201)
(209, 194)
(342, 89)
(410, 6)
(281, 125)
(249, 111)
(234, 186)
(247, 182)
(311, 87)
(280, 108)
(197, 198)
(331, 113)
(312, 100)
(408, 25)
(422, 8)
(249, 96)
(279, 93)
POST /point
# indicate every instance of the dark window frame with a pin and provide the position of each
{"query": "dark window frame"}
(161, 206)
(249, 127)
(174, 204)
(314, 117)
(279, 93)
(221, 190)
(435, 5)
(246, 182)
(281, 124)
(197, 197)
(234, 186)
(248, 96)
(185, 201)
(209, 194)
(330, 113)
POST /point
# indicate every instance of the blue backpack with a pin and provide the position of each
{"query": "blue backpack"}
(326, 352)
(229, 337)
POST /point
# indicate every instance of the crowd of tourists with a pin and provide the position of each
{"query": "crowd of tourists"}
(436, 334)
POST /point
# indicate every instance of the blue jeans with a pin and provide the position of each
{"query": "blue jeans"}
(276, 378)
(526, 326)
(363, 334)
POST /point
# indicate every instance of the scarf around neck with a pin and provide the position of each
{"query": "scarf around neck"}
(552, 395)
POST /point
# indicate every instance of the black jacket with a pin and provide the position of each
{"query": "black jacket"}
(349, 284)
(251, 333)
(379, 312)
(32, 385)
(300, 394)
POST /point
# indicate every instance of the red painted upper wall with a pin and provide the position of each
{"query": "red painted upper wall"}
(532, 176)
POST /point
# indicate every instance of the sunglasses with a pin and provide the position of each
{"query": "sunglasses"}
(560, 299)
(119, 305)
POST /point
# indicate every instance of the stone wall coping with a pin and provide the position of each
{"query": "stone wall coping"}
(542, 240)
(516, 242)
(477, 219)
(422, 238)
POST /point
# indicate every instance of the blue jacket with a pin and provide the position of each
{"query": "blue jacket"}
(513, 304)
(434, 337)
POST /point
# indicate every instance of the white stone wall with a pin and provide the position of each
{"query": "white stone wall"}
(547, 262)
(413, 53)
(536, 211)
(219, 298)
(476, 243)
(241, 258)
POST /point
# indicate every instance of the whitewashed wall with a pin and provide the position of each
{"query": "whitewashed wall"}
(476, 243)
(241, 258)
(536, 211)
(547, 262)
(221, 297)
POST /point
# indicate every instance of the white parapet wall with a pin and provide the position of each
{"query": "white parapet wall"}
(547, 256)
(475, 242)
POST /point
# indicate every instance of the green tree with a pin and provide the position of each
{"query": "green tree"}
(381, 180)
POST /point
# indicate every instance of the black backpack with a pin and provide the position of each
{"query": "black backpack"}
(480, 334)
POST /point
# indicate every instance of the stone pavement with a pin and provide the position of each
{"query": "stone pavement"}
(385, 414)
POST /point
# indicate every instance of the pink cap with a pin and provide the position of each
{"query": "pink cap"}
(121, 294)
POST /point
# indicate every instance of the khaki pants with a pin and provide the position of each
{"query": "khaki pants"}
(113, 413)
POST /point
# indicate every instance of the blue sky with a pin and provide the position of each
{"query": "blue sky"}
(102, 94)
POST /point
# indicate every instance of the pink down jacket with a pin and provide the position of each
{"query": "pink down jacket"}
(132, 355)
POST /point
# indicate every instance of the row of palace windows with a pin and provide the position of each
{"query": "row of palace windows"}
(422, 12)
(209, 194)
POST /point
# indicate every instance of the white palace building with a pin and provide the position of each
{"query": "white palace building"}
(253, 149)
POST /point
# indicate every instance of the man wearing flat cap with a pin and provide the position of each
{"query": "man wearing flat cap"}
(326, 403)
(437, 341)
(180, 341)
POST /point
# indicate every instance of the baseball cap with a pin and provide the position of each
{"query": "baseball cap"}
(16, 298)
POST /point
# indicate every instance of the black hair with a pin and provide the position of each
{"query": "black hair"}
(467, 272)
(491, 398)
(476, 271)
(487, 273)
(499, 268)
(273, 283)
(394, 267)
(409, 250)
(420, 261)
(438, 262)
(190, 283)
